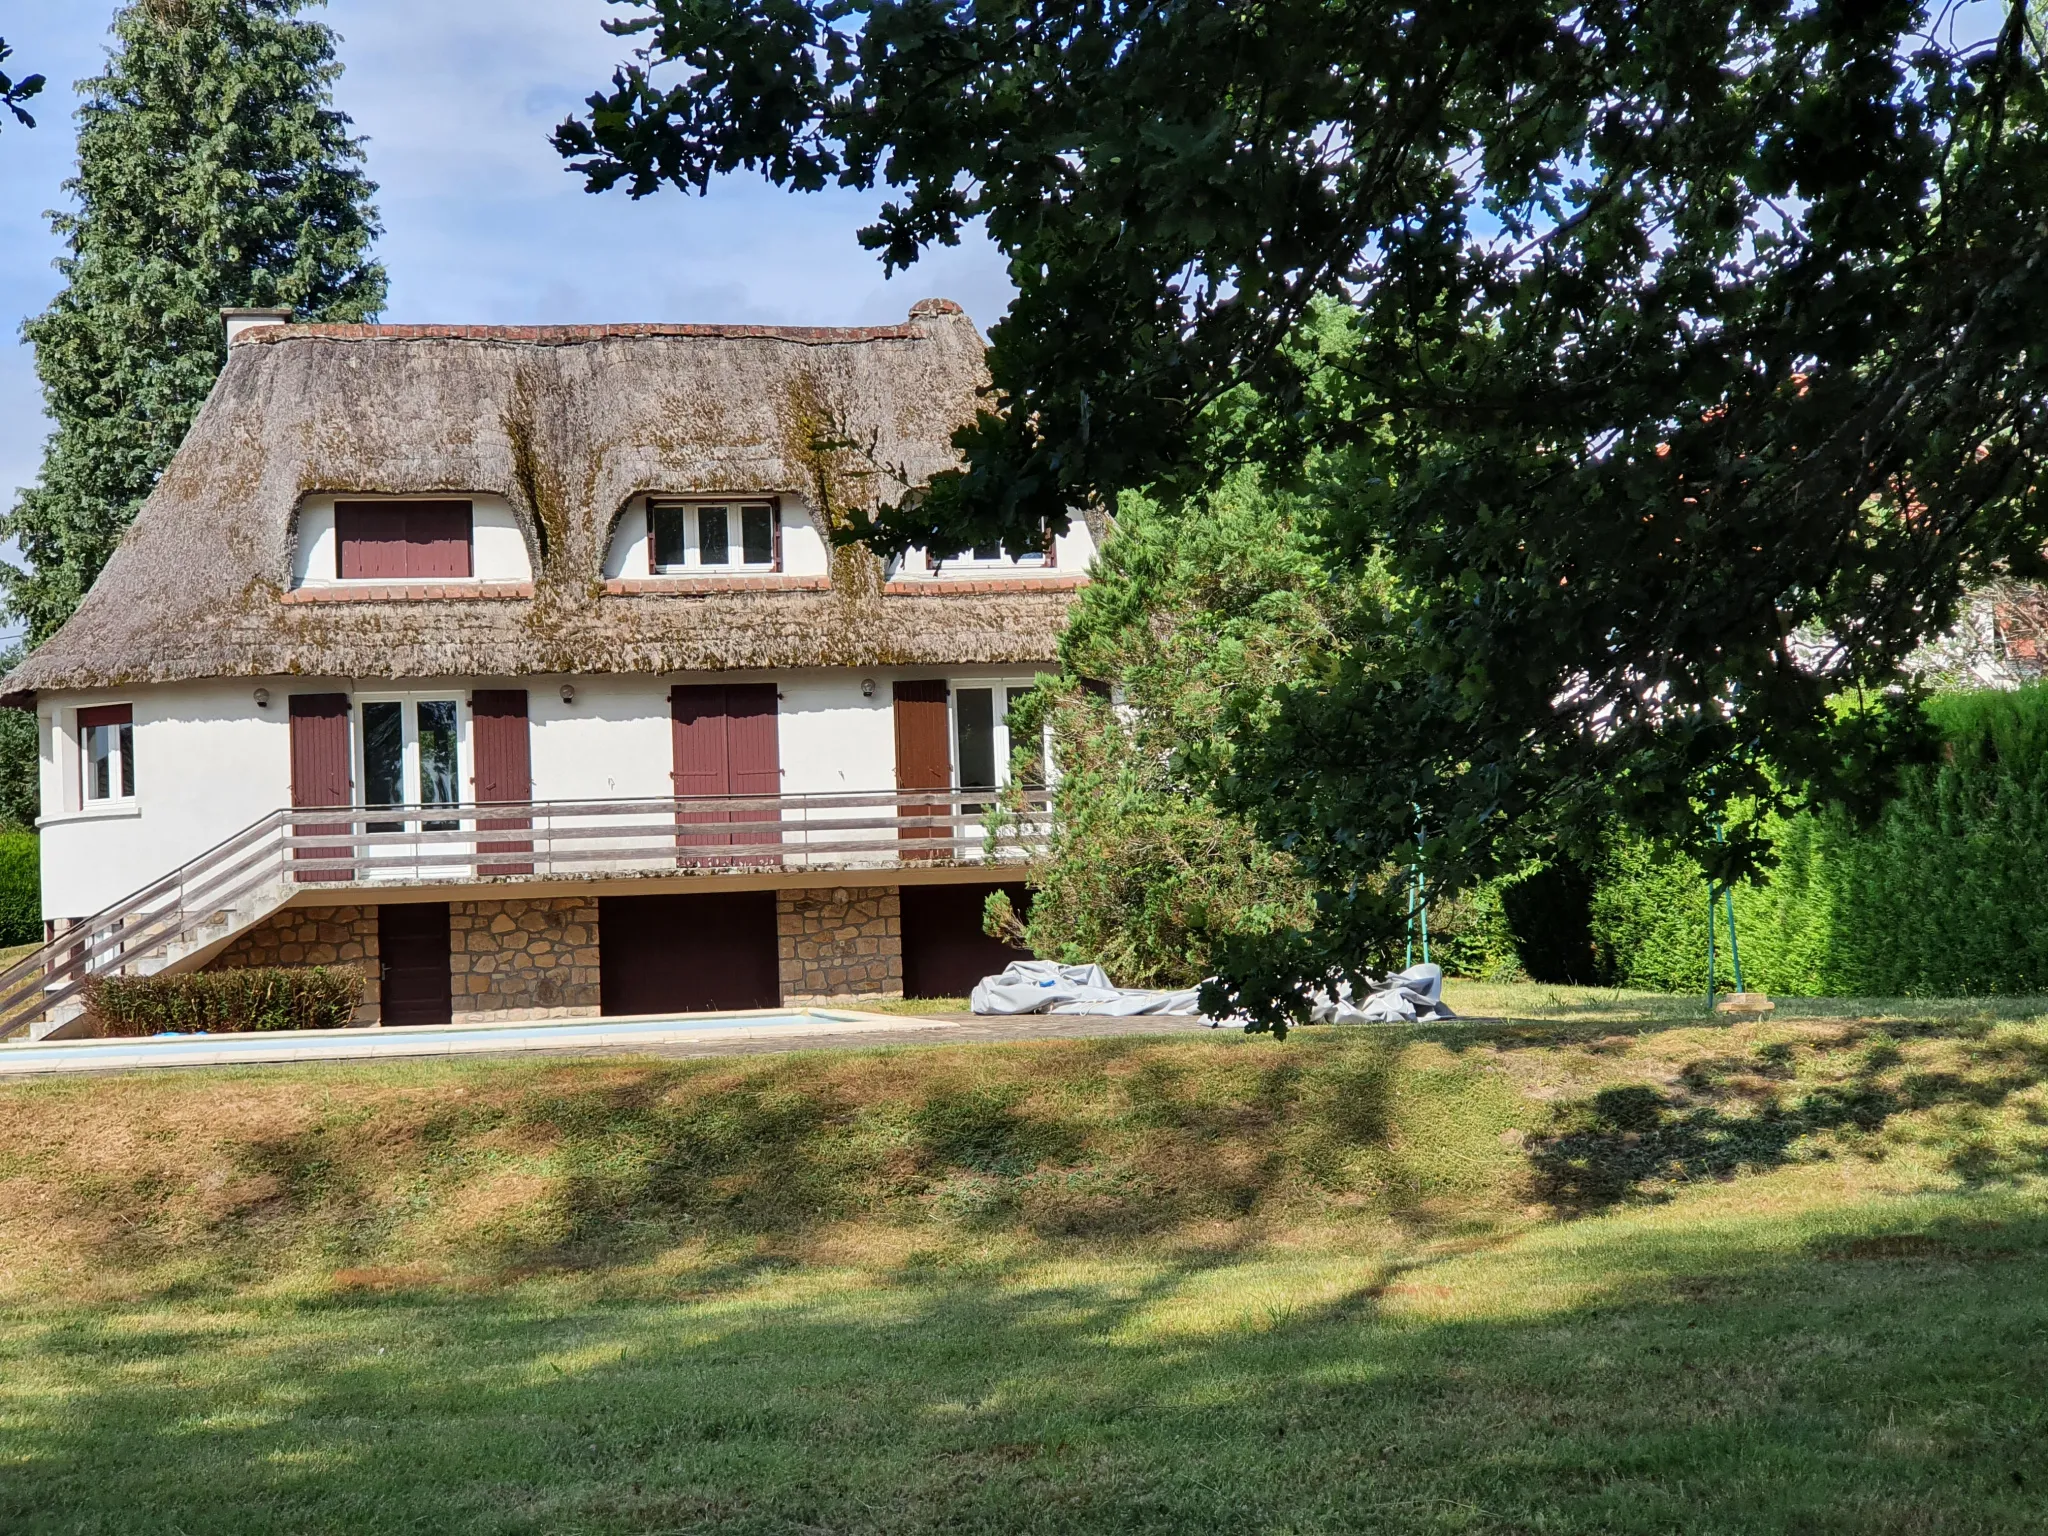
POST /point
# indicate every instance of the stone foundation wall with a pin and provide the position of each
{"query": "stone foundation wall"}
(523, 959)
(839, 943)
(335, 936)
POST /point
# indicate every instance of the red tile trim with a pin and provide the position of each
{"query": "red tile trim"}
(950, 586)
(411, 592)
(690, 586)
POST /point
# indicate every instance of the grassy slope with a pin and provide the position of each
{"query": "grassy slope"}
(1551, 1276)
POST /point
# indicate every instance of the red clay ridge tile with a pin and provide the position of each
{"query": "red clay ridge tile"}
(573, 335)
(697, 586)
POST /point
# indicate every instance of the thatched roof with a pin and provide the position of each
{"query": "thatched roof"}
(568, 423)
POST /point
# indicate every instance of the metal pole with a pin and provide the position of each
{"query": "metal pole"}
(1734, 949)
(1422, 896)
(1711, 894)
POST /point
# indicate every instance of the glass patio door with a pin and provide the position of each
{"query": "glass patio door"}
(412, 756)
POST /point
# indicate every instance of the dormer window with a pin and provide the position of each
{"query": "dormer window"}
(685, 536)
(403, 540)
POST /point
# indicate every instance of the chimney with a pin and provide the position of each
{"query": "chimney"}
(240, 320)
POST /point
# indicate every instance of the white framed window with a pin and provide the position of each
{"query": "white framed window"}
(106, 753)
(734, 535)
(411, 749)
(987, 557)
(984, 746)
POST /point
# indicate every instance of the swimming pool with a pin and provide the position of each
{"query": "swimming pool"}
(435, 1040)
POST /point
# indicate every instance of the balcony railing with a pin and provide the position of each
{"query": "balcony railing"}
(285, 854)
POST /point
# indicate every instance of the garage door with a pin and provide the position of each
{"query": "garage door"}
(687, 954)
(944, 950)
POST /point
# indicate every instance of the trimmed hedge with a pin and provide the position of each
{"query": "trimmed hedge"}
(21, 887)
(225, 1002)
(1943, 897)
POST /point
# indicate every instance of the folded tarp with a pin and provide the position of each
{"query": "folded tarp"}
(1407, 997)
(1044, 986)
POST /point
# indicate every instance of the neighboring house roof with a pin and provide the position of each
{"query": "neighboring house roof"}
(568, 423)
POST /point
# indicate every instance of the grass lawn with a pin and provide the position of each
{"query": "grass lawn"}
(1606, 1266)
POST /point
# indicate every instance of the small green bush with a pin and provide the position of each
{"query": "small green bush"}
(21, 886)
(225, 1002)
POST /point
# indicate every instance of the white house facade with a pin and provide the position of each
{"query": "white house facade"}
(518, 668)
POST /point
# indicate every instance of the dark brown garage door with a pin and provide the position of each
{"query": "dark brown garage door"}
(412, 941)
(944, 950)
(687, 954)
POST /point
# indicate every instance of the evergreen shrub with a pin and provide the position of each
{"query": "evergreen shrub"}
(21, 887)
(225, 1002)
(1942, 897)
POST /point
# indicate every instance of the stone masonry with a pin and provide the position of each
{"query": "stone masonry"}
(312, 936)
(524, 959)
(839, 943)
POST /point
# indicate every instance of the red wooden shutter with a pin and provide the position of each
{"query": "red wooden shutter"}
(726, 744)
(106, 714)
(437, 541)
(402, 540)
(924, 758)
(753, 763)
(320, 771)
(503, 749)
(699, 725)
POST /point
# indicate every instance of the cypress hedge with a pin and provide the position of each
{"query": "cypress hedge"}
(1942, 898)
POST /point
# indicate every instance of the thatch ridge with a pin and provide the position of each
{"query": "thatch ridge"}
(567, 423)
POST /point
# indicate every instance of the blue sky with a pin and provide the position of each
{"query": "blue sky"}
(482, 224)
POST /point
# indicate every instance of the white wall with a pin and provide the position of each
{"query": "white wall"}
(497, 548)
(804, 550)
(209, 760)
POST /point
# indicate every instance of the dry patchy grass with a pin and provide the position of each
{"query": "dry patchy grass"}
(1589, 1271)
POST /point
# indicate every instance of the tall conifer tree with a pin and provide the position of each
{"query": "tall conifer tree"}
(213, 172)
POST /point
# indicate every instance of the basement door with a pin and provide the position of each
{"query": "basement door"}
(687, 954)
(944, 950)
(412, 944)
(726, 743)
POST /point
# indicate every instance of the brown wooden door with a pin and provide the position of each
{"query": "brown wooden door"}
(945, 951)
(320, 771)
(687, 954)
(412, 943)
(924, 758)
(503, 748)
(726, 743)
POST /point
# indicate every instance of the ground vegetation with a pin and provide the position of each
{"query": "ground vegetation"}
(1602, 1265)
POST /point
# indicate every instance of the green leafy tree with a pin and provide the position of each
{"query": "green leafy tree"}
(1700, 347)
(1196, 603)
(213, 172)
(14, 92)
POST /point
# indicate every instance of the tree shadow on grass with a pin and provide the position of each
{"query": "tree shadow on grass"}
(1636, 1141)
(1865, 1381)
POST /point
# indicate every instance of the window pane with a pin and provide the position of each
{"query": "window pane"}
(670, 552)
(437, 757)
(99, 768)
(713, 548)
(1032, 764)
(384, 759)
(127, 760)
(975, 717)
(757, 536)
(988, 551)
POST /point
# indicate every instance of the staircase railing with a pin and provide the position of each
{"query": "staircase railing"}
(328, 849)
